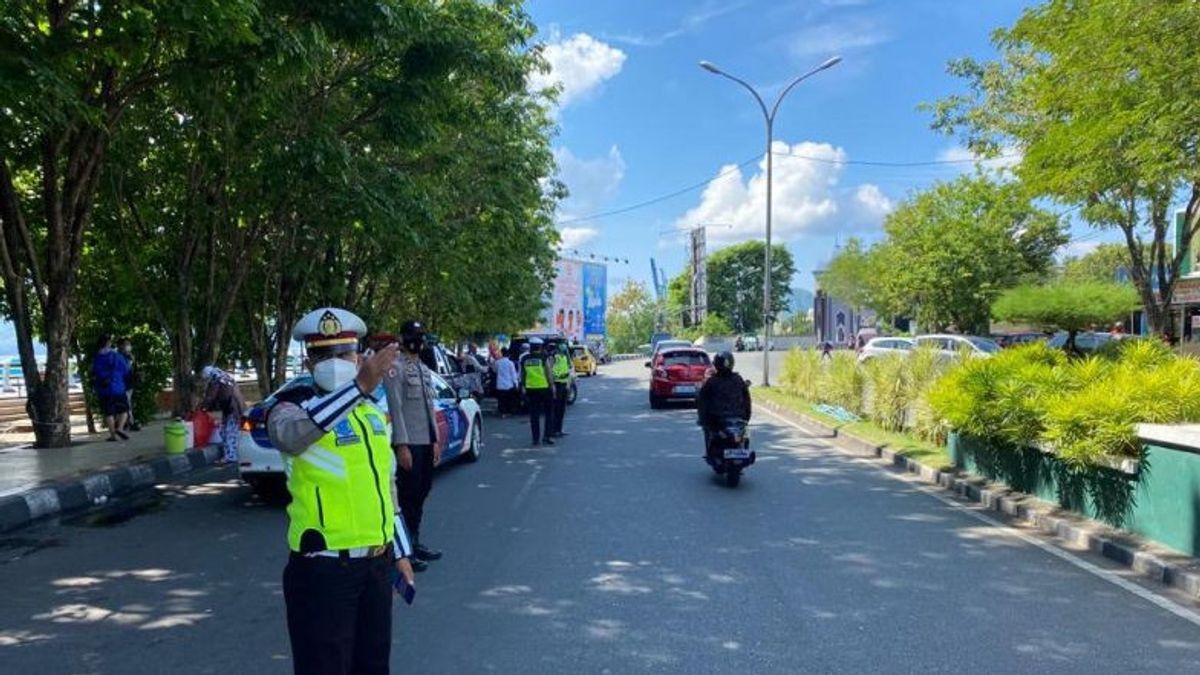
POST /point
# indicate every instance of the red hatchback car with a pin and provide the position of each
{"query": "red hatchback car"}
(677, 374)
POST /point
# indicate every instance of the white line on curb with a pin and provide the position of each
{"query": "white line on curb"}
(1169, 605)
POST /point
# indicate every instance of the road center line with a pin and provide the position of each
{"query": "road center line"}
(524, 492)
(1107, 575)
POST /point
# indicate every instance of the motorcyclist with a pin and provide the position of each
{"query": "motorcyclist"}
(725, 394)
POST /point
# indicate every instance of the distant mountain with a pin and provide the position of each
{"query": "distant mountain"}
(802, 300)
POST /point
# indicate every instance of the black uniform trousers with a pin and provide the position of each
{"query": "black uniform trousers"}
(561, 389)
(540, 405)
(339, 614)
(412, 487)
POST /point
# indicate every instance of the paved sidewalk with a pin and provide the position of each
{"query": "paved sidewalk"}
(35, 483)
(24, 468)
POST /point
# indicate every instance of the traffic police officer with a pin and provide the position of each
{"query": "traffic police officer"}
(418, 449)
(343, 531)
(562, 385)
(537, 379)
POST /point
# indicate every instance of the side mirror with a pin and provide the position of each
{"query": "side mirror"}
(749, 382)
(647, 364)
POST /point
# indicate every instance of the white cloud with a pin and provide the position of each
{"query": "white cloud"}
(580, 64)
(690, 22)
(807, 200)
(837, 37)
(874, 203)
(1078, 249)
(1010, 156)
(591, 182)
(574, 237)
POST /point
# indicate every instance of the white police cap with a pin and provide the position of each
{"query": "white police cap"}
(330, 328)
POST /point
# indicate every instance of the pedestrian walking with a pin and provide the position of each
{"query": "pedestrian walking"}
(109, 371)
(222, 394)
(537, 383)
(507, 383)
(343, 529)
(132, 380)
(562, 386)
(827, 350)
(415, 440)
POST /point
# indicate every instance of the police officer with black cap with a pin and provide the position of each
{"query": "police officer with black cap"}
(343, 528)
(418, 448)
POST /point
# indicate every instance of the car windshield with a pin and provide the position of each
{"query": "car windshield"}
(984, 344)
(578, 352)
(685, 359)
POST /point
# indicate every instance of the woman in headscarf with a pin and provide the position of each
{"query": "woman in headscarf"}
(222, 394)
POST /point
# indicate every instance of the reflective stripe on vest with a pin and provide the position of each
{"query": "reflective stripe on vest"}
(341, 485)
(562, 369)
(535, 373)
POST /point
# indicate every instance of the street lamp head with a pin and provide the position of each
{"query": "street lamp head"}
(831, 62)
(710, 67)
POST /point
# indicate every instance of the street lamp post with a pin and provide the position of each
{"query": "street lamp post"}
(769, 117)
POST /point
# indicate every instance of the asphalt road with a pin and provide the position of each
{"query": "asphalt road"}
(615, 551)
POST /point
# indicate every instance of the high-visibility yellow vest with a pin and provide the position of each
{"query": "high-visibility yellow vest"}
(535, 373)
(562, 369)
(341, 485)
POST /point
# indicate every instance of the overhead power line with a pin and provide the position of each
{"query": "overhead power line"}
(734, 169)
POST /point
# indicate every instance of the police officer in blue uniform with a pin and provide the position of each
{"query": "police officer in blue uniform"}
(347, 539)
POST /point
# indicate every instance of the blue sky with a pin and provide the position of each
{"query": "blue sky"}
(639, 119)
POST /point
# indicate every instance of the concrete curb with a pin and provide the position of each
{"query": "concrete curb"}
(1148, 560)
(21, 509)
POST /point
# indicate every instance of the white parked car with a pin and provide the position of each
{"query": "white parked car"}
(952, 346)
(882, 346)
(261, 465)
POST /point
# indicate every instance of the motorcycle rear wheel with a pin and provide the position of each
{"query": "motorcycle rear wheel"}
(733, 474)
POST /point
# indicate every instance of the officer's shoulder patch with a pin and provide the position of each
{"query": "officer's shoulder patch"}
(377, 424)
(343, 433)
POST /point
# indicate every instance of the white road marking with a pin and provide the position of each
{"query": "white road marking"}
(537, 469)
(1107, 575)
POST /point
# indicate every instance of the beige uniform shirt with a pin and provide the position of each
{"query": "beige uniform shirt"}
(410, 402)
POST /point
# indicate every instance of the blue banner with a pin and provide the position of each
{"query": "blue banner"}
(595, 298)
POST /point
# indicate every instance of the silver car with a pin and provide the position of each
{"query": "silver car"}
(882, 346)
(951, 346)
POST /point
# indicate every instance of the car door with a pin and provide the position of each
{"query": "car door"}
(451, 421)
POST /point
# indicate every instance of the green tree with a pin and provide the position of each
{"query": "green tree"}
(951, 250)
(1103, 99)
(70, 73)
(632, 317)
(848, 276)
(1099, 265)
(735, 283)
(1068, 306)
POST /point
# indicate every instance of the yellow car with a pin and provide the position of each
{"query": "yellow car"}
(583, 360)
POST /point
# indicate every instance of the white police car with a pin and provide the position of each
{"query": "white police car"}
(262, 467)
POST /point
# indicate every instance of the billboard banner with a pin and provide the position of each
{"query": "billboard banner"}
(566, 306)
(595, 299)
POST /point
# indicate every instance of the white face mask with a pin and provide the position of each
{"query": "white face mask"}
(333, 373)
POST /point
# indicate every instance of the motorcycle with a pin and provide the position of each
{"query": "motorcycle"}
(729, 450)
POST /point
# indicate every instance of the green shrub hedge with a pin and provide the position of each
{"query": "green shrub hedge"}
(1081, 409)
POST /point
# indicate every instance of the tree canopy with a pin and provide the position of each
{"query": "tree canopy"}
(1102, 99)
(735, 283)
(1068, 306)
(221, 167)
(951, 250)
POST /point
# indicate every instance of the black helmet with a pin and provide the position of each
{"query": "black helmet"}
(412, 335)
(723, 362)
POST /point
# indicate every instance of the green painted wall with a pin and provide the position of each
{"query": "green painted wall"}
(1160, 502)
